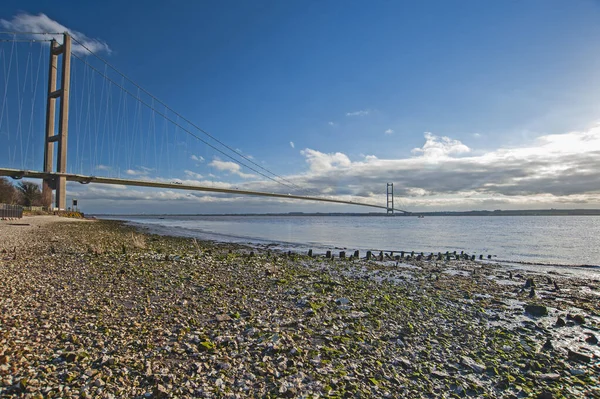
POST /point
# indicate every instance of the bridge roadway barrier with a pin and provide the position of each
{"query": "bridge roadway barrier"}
(83, 179)
(8, 211)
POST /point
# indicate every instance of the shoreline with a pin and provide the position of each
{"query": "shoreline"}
(102, 309)
(285, 246)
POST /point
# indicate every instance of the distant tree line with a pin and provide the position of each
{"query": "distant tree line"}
(24, 193)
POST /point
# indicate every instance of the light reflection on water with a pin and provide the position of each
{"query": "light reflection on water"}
(568, 240)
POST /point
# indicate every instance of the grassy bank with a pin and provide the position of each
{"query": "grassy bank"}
(100, 310)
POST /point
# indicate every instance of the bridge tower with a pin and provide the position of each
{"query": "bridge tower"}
(390, 198)
(59, 182)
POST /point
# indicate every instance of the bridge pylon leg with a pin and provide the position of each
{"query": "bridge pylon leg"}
(58, 182)
(390, 198)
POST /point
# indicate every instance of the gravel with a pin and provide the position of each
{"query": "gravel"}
(97, 309)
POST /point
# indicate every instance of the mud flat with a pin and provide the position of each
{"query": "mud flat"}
(100, 310)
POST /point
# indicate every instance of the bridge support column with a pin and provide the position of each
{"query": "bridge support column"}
(390, 198)
(58, 182)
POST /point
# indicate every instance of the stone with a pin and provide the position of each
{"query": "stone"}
(290, 393)
(548, 344)
(591, 339)
(342, 301)
(223, 366)
(579, 319)
(579, 357)
(545, 395)
(476, 367)
(536, 310)
(71, 357)
(404, 363)
(560, 322)
(4, 359)
(577, 372)
(549, 376)
(223, 317)
(440, 374)
(160, 392)
(532, 292)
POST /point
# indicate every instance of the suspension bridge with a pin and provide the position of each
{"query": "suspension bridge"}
(116, 127)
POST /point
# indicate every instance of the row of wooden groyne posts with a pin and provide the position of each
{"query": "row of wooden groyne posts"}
(400, 255)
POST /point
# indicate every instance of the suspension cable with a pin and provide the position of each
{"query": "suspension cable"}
(179, 125)
(192, 123)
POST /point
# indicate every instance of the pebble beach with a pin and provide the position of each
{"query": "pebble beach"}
(97, 309)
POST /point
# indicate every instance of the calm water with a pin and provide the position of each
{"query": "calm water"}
(567, 240)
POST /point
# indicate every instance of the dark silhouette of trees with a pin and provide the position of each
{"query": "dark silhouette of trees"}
(8, 193)
(30, 193)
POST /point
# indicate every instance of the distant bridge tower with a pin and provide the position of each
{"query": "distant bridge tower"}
(390, 198)
(57, 183)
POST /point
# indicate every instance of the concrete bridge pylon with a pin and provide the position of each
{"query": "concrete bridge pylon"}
(58, 182)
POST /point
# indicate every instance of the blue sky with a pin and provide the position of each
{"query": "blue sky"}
(355, 84)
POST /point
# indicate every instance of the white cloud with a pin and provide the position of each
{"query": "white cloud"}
(292, 144)
(557, 170)
(197, 158)
(41, 23)
(477, 135)
(142, 171)
(193, 175)
(321, 162)
(437, 147)
(331, 123)
(363, 112)
(389, 131)
(230, 167)
(103, 167)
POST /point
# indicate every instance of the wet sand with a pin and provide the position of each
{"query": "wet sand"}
(96, 309)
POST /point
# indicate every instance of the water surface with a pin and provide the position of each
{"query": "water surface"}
(563, 240)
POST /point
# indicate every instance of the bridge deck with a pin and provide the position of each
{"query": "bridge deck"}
(18, 174)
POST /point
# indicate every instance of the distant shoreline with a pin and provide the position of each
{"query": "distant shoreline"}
(532, 212)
